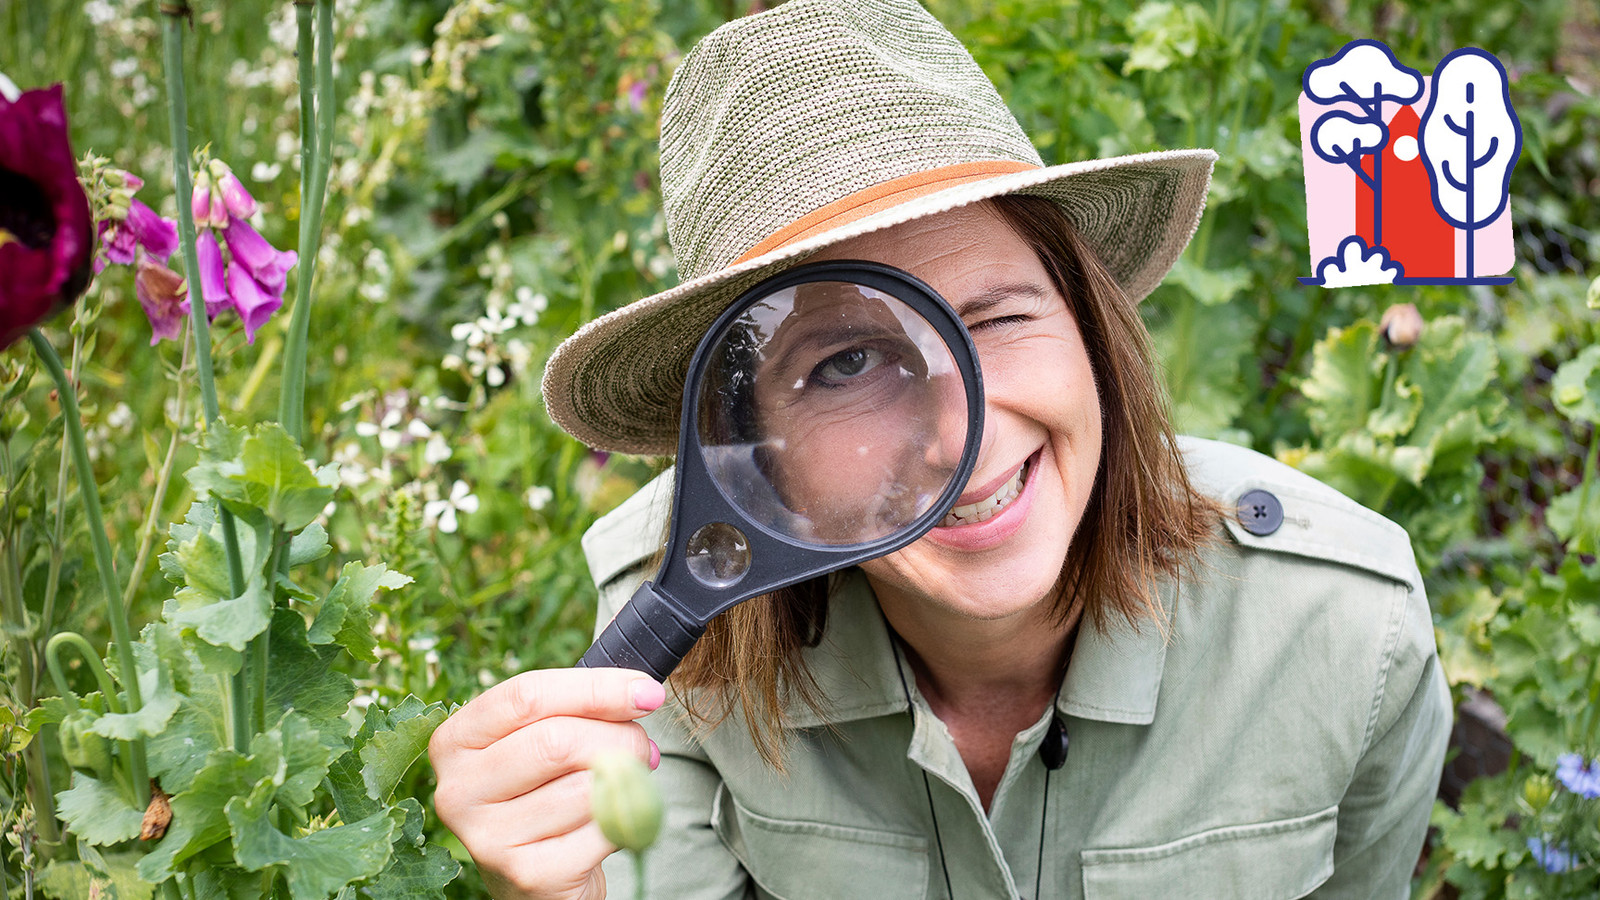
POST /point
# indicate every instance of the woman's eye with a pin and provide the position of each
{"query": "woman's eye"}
(845, 365)
(999, 322)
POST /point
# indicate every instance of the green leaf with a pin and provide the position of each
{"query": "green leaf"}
(201, 518)
(1209, 286)
(418, 869)
(346, 615)
(1592, 299)
(155, 688)
(1397, 410)
(1164, 33)
(389, 753)
(115, 874)
(229, 623)
(266, 476)
(318, 864)
(198, 820)
(1576, 386)
(305, 759)
(309, 545)
(301, 677)
(1452, 368)
(1562, 517)
(97, 812)
(1341, 385)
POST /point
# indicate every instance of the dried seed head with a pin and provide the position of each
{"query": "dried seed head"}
(1401, 325)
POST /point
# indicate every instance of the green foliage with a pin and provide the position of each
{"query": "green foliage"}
(1400, 430)
(494, 184)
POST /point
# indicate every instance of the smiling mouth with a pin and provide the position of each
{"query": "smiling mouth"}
(992, 505)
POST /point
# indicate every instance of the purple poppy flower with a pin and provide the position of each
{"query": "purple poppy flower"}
(164, 297)
(213, 287)
(235, 198)
(46, 233)
(265, 263)
(254, 305)
(142, 228)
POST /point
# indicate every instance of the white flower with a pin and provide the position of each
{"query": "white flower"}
(538, 496)
(436, 451)
(120, 418)
(443, 512)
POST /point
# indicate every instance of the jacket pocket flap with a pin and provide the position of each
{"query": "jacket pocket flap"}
(794, 859)
(1278, 860)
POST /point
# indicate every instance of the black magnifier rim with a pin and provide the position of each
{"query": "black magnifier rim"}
(699, 500)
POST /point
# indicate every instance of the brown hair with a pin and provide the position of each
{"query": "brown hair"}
(1144, 522)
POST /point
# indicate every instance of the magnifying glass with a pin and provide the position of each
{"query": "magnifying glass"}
(831, 415)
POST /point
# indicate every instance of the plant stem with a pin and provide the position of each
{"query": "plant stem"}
(174, 14)
(52, 583)
(291, 402)
(89, 495)
(15, 611)
(1588, 482)
(52, 654)
(147, 539)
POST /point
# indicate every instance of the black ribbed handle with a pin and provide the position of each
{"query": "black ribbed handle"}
(648, 635)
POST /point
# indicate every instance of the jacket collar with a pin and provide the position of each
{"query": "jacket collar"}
(1114, 675)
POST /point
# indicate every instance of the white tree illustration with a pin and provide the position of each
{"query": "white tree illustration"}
(1364, 72)
(1470, 139)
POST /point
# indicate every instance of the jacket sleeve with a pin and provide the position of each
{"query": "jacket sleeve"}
(688, 861)
(1383, 816)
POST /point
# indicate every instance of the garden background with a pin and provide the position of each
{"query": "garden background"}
(493, 185)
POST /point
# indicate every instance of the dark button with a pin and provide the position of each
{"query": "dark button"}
(1260, 513)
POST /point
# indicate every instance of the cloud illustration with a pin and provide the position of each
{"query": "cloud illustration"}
(1355, 264)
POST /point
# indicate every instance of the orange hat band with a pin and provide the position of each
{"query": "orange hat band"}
(879, 197)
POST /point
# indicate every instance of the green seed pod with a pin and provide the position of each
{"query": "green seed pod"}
(1537, 790)
(625, 801)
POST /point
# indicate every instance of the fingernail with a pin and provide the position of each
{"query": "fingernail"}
(655, 756)
(648, 694)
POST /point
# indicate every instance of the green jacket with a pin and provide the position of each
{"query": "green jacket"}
(1286, 741)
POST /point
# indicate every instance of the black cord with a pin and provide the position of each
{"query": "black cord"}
(927, 788)
(1044, 812)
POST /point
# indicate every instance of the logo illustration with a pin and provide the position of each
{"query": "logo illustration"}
(1408, 177)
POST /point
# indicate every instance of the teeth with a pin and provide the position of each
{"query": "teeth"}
(988, 507)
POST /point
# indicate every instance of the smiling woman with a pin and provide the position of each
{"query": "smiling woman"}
(1239, 659)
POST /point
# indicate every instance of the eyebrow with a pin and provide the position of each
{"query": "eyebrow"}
(996, 294)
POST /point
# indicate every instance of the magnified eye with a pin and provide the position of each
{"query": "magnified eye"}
(839, 369)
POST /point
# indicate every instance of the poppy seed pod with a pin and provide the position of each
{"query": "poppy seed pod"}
(1401, 325)
(625, 802)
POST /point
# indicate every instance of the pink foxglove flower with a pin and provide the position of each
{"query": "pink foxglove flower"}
(253, 304)
(213, 285)
(237, 201)
(268, 265)
(164, 297)
(46, 231)
(141, 228)
(200, 201)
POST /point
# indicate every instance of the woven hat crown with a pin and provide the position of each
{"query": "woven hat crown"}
(777, 115)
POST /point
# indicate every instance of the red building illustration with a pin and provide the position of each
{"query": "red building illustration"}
(1413, 232)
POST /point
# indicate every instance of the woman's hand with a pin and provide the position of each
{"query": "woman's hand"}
(514, 781)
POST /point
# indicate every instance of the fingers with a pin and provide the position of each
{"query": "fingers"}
(567, 865)
(616, 695)
(545, 750)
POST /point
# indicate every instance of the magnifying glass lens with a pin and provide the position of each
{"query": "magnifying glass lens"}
(832, 413)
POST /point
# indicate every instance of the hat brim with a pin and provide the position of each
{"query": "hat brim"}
(617, 384)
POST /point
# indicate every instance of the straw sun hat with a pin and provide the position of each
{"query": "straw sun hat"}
(821, 120)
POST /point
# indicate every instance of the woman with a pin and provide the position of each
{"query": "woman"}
(1128, 665)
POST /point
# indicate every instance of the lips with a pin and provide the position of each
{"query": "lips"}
(986, 508)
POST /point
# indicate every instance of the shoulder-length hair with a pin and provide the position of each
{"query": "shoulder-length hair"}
(1144, 522)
